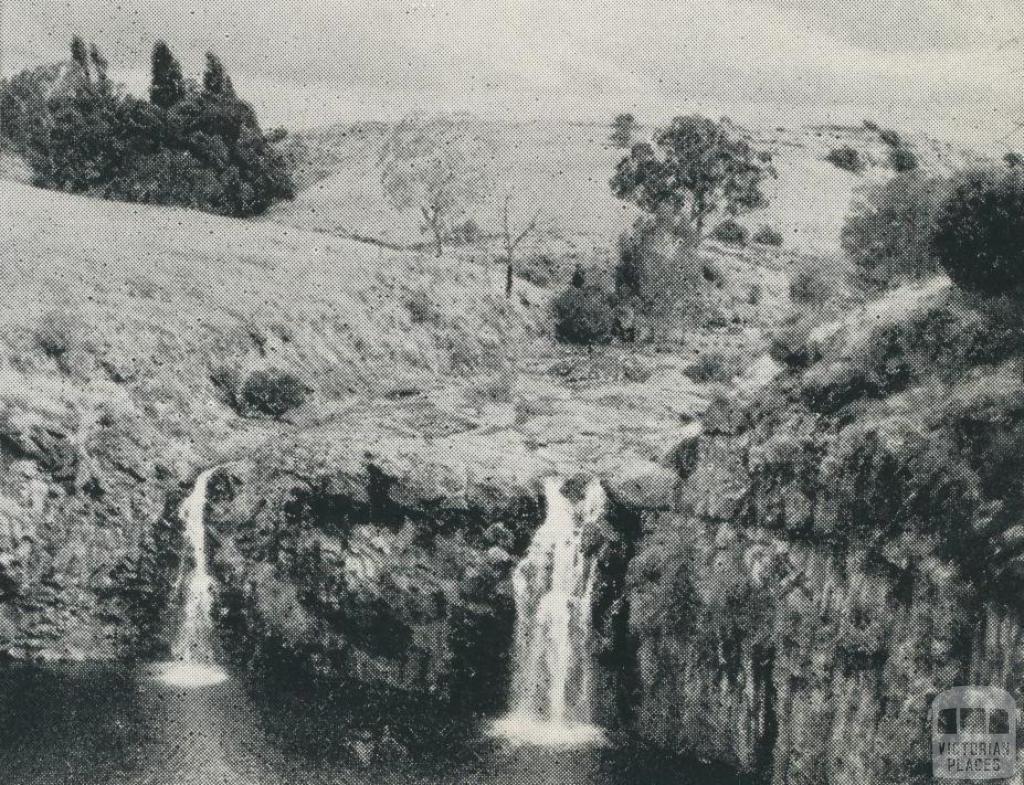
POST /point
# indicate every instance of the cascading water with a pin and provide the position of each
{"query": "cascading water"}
(194, 663)
(554, 587)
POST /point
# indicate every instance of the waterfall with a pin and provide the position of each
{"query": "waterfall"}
(194, 664)
(554, 585)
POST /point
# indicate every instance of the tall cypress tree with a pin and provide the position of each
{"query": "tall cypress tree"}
(215, 79)
(100, 66)
(80, 55)
(168, 85)
(78, 51)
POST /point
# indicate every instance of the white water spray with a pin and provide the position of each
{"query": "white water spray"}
(554, 585)
(194, 663)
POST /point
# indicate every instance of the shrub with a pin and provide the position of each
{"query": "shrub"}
(871, 125)
(731, 232)
(890, 137)
(790, 346)
(712, 367)
(469, 232)
(584, 315)
(421, 307)
(809, 285)
(1013, 159)
(886, 234)
(845, 157)
(766, 235)
(978, 232)
(658, 275)
(902, 159)
(272, 392)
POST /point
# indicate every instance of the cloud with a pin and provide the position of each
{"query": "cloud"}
(588, 56)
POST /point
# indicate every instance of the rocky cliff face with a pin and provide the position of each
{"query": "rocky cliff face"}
(89, 538)
(841, 550)
(387, 568)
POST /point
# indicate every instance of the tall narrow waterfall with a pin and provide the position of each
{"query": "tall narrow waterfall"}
(554, 584)
(194, 663)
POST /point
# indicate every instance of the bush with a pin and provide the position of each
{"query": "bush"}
(890, 137)
(845, 157)
(790, 345)
(902, 159)
(658, 276)
(422, 308)
(712, 367)
(886, 234)
(809, 285)
(469, 232)
(272, 392)
(584, 315)
(978, 232)
(766, 235)
(731, 232)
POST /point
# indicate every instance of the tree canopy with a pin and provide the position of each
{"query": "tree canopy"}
(695, 168)
(978, 236)
(886, 234)
(439, 164)
(191, 147)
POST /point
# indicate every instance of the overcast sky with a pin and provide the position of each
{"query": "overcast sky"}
(954, 68)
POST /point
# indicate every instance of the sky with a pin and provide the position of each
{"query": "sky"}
(952, 69)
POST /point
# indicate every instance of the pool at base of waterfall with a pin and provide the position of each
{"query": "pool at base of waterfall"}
(100, 724)
(528, 729)
(189, 674)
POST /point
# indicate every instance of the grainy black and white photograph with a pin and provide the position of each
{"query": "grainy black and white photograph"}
(511, 392)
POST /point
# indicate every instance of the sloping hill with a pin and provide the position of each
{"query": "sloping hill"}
(156, 301)
(561, 171)
(558, 171)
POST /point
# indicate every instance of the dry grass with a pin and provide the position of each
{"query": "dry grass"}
(155, 300)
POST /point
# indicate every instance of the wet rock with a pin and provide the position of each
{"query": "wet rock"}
(643, 487)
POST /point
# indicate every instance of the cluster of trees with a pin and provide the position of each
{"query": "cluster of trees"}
(695, 169)
(970, 225)
(191, 145)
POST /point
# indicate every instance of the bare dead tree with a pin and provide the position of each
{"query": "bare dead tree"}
(511, 243)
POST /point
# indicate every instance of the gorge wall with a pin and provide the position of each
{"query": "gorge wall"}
(89, 535)
(841, 549)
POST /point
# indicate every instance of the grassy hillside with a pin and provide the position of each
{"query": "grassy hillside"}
(561, 170)
(119, 311)
(155, 301)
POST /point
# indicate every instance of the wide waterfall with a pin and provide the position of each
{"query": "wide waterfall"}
(194, 663)
(554, 585)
